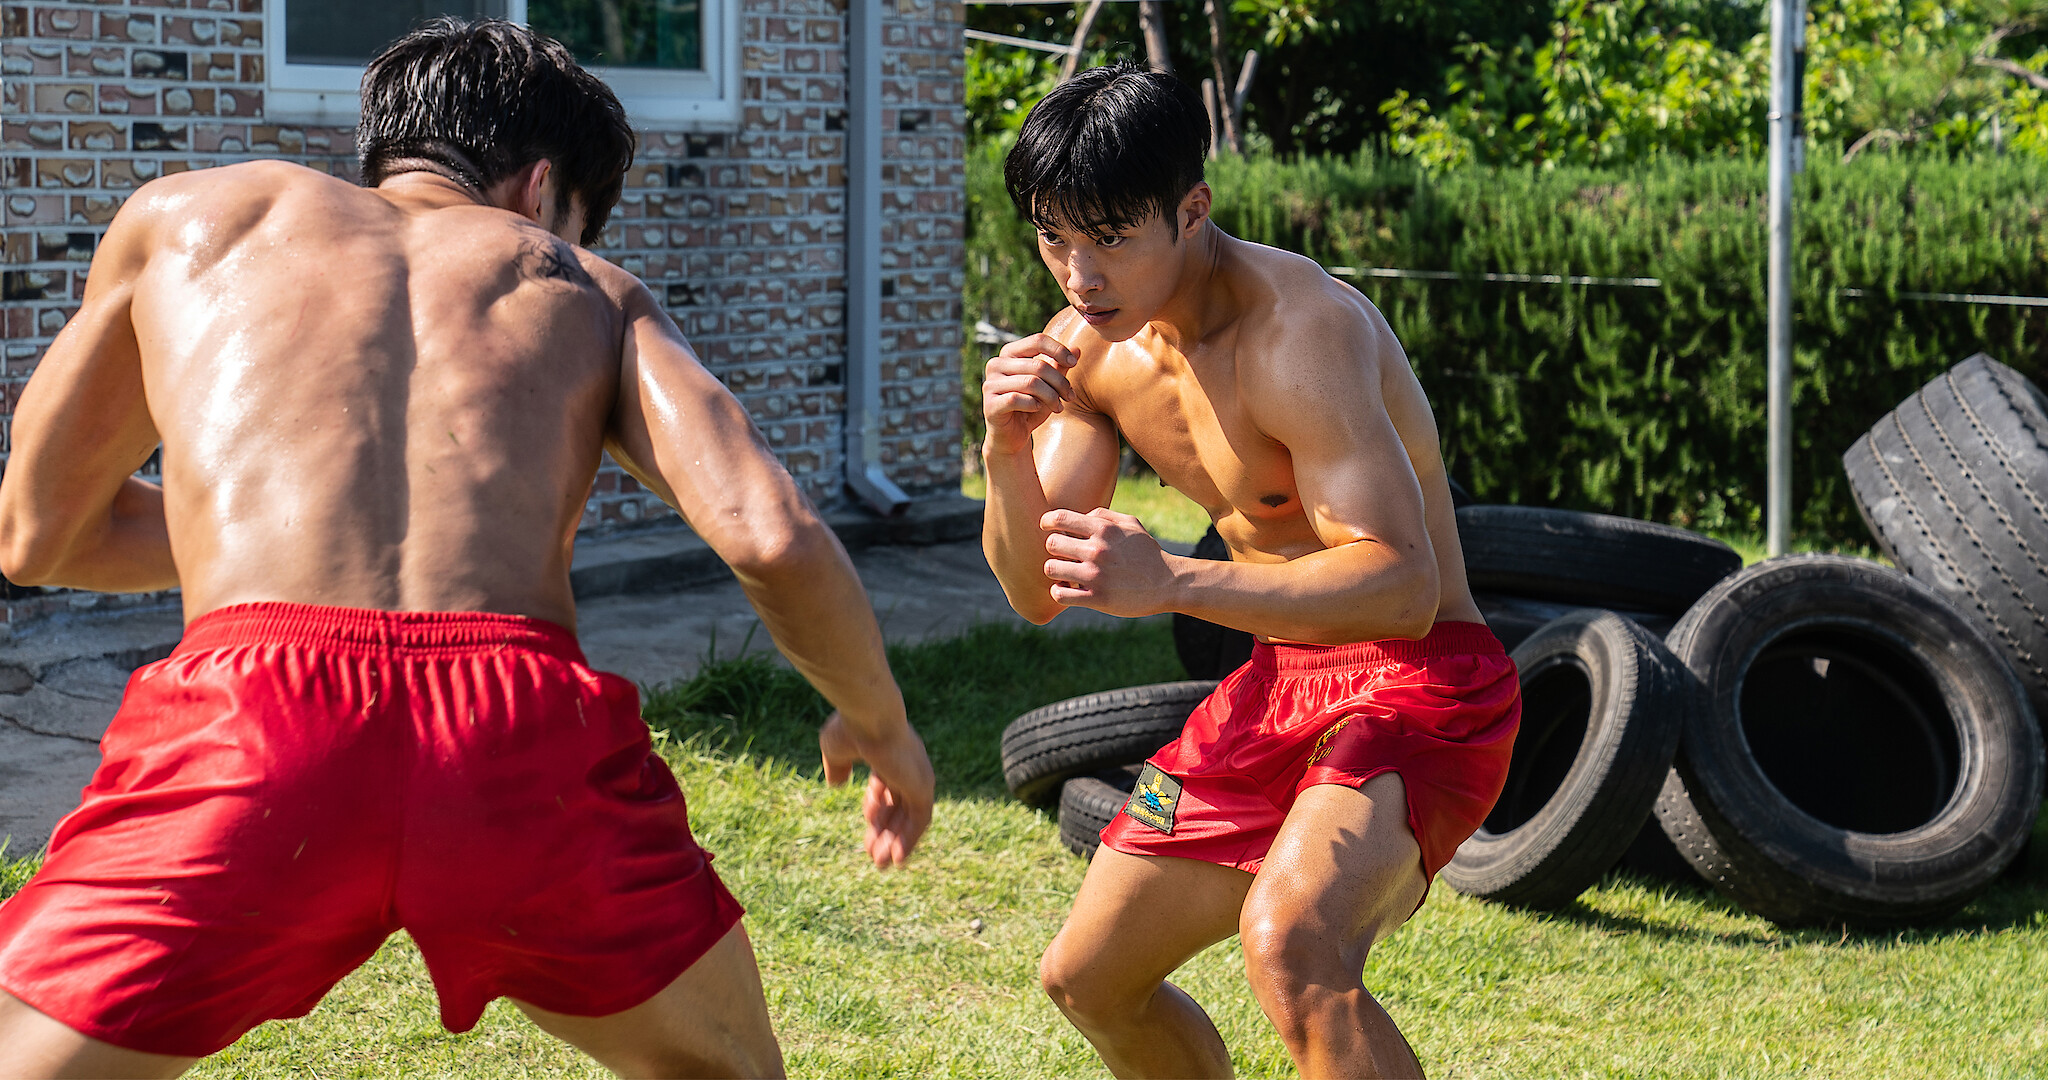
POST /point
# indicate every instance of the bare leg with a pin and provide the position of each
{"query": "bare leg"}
(33, 1044)
(1137, 918)
(1343, 873)
(711, 1021)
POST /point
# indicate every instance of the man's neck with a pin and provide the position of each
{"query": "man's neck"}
(1199, 304)
(430, 182)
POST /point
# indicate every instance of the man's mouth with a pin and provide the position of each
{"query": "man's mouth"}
(1098, 316)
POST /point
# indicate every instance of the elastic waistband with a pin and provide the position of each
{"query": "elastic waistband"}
(1445, 639)
(362, 629)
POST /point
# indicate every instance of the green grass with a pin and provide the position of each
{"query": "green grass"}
(885, 975)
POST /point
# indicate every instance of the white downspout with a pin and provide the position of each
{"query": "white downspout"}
(864, 262)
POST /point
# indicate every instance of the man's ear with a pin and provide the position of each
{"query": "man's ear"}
(527, 185)
(1194, 209)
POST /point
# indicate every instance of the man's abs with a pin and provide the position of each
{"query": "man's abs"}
(363, 405)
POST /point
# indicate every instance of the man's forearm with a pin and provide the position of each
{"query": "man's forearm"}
(1011, 536)
(127, 548)
(817, 612)
(1353, 592)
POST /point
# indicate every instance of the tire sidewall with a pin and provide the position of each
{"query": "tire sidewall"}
(1814, 869)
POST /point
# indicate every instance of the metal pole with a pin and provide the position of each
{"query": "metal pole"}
(863, 370)
(1788, 70)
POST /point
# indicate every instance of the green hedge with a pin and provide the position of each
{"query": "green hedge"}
(1637, 401)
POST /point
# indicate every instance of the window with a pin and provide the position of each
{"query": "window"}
(668, 60)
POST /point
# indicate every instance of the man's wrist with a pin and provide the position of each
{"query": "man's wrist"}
(994, 448)
(1180, 583)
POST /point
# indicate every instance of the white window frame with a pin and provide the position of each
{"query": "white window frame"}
(328, 93)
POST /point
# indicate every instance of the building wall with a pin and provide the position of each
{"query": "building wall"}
(740, 228)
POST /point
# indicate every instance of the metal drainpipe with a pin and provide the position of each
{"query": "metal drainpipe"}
(863, 370)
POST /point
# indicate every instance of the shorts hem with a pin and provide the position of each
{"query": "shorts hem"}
(695, 944)
(117, 1039)
(1249, 866)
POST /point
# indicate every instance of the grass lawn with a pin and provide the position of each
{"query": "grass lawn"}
(930, 971)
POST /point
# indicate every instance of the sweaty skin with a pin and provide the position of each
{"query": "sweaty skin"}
(1278, 399)
(1270, 393)
(397, 399)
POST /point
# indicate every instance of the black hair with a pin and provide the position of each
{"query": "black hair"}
(1109, 147)
(483, 99)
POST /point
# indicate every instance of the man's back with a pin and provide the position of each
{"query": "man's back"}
(366, 399)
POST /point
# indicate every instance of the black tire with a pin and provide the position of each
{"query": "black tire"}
(1206, 650)
(1954, 486)
(1091, 733)
(1513, 618)
(1603, 702)
(1863, 753)
(1593, 560)
(1088, 802)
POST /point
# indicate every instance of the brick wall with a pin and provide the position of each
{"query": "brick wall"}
(741, 228)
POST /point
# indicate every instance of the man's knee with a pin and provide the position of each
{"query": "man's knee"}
(1083, 989)
(1293, 956)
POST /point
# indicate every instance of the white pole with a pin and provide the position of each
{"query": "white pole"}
(863, 370)
(1788, 71)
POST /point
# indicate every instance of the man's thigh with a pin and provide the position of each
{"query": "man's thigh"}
(35, 1045)
(711, 1021)
(1138, 917)
(1345, 868)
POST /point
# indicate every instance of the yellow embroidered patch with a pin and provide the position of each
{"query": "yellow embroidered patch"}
(1153, 799)
(1322, 749)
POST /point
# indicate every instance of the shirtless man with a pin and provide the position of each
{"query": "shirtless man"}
(1309, 802)
(380, 412)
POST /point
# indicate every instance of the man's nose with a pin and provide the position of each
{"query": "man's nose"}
(1081, 274)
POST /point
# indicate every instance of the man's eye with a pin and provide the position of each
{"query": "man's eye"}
(1110, 241)
(1048, 238)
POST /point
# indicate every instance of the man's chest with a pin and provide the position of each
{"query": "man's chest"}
(1197, 433)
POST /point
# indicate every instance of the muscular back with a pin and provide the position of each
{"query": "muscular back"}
(364, 402)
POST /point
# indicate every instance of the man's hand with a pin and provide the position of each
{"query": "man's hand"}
(1106, 561)
(898, 806)
(1022, 388)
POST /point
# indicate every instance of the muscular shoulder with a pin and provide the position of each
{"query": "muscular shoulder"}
(202, 210)
(1306, 337)
(229, 194)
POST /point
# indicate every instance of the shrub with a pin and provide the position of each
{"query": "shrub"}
(1647, 402)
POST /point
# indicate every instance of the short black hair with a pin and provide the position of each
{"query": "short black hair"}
(1109, 147)
(486, 98)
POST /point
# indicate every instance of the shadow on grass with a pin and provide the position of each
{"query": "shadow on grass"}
(2017, 900)
(959, 693)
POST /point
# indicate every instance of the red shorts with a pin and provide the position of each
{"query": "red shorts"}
(1441, 712)
(294, 783)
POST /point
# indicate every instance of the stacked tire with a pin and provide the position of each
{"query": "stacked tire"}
(1862, 753)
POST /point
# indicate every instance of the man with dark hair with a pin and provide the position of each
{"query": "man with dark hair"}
(380, 412)
(1311, 799)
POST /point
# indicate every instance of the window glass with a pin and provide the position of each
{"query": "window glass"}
(667, 34)
(352, 33)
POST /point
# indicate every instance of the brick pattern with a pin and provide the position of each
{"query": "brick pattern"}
(741, 230)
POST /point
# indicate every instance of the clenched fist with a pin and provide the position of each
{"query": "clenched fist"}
(1023, 386)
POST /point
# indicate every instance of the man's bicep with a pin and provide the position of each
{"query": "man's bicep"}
(1353, 472)
(1076, 453)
